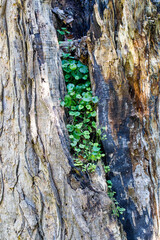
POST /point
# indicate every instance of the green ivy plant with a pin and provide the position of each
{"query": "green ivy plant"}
(63, 31)
(81, 105)
(116, 209)
(85, 136)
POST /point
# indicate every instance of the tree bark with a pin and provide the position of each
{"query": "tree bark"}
(124, 62)
(42, 195)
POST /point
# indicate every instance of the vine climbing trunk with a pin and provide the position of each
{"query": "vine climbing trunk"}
(42, 195)
(124, 58)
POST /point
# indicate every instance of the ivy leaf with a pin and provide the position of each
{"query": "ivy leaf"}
(78, 132)
(78, 163)
(88, 107)
(78, 96)
(67, 76)
(74, 143)
(65, 55)
(86, 120)
(71, 93)
(91, 167)
(77, 149)
(81, 146)
(80, 107)
(106, 169)
(61, 32)
(90, 129)
(70, 87)
(99, 131)
(80, 64)
(96, 149)
(73, 66)
(85, 77)
(86, 134)
(109, 182)
(79, 126)
(87, 84)
(76, 74)
(65, 65)
(77, 77)
(76, 136)
(72, 61)
(66, 69)
(94, 124)
(71, 137)
(62, 104)
(70, 127)
(84, 69)
(93, 114)
(93, 157)
(73, 108)
(78, 87)
(95, 99)
(77, 114)
(71, 113)
(67, 101)
(87, 97)
(121, 210)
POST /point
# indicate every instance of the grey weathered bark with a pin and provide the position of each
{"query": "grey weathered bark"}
(124, 61)
(42, 196)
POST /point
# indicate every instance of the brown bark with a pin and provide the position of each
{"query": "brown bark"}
(124, 61)
(42, 195)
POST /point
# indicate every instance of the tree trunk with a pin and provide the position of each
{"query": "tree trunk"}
(124, 61)
(42, 195)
